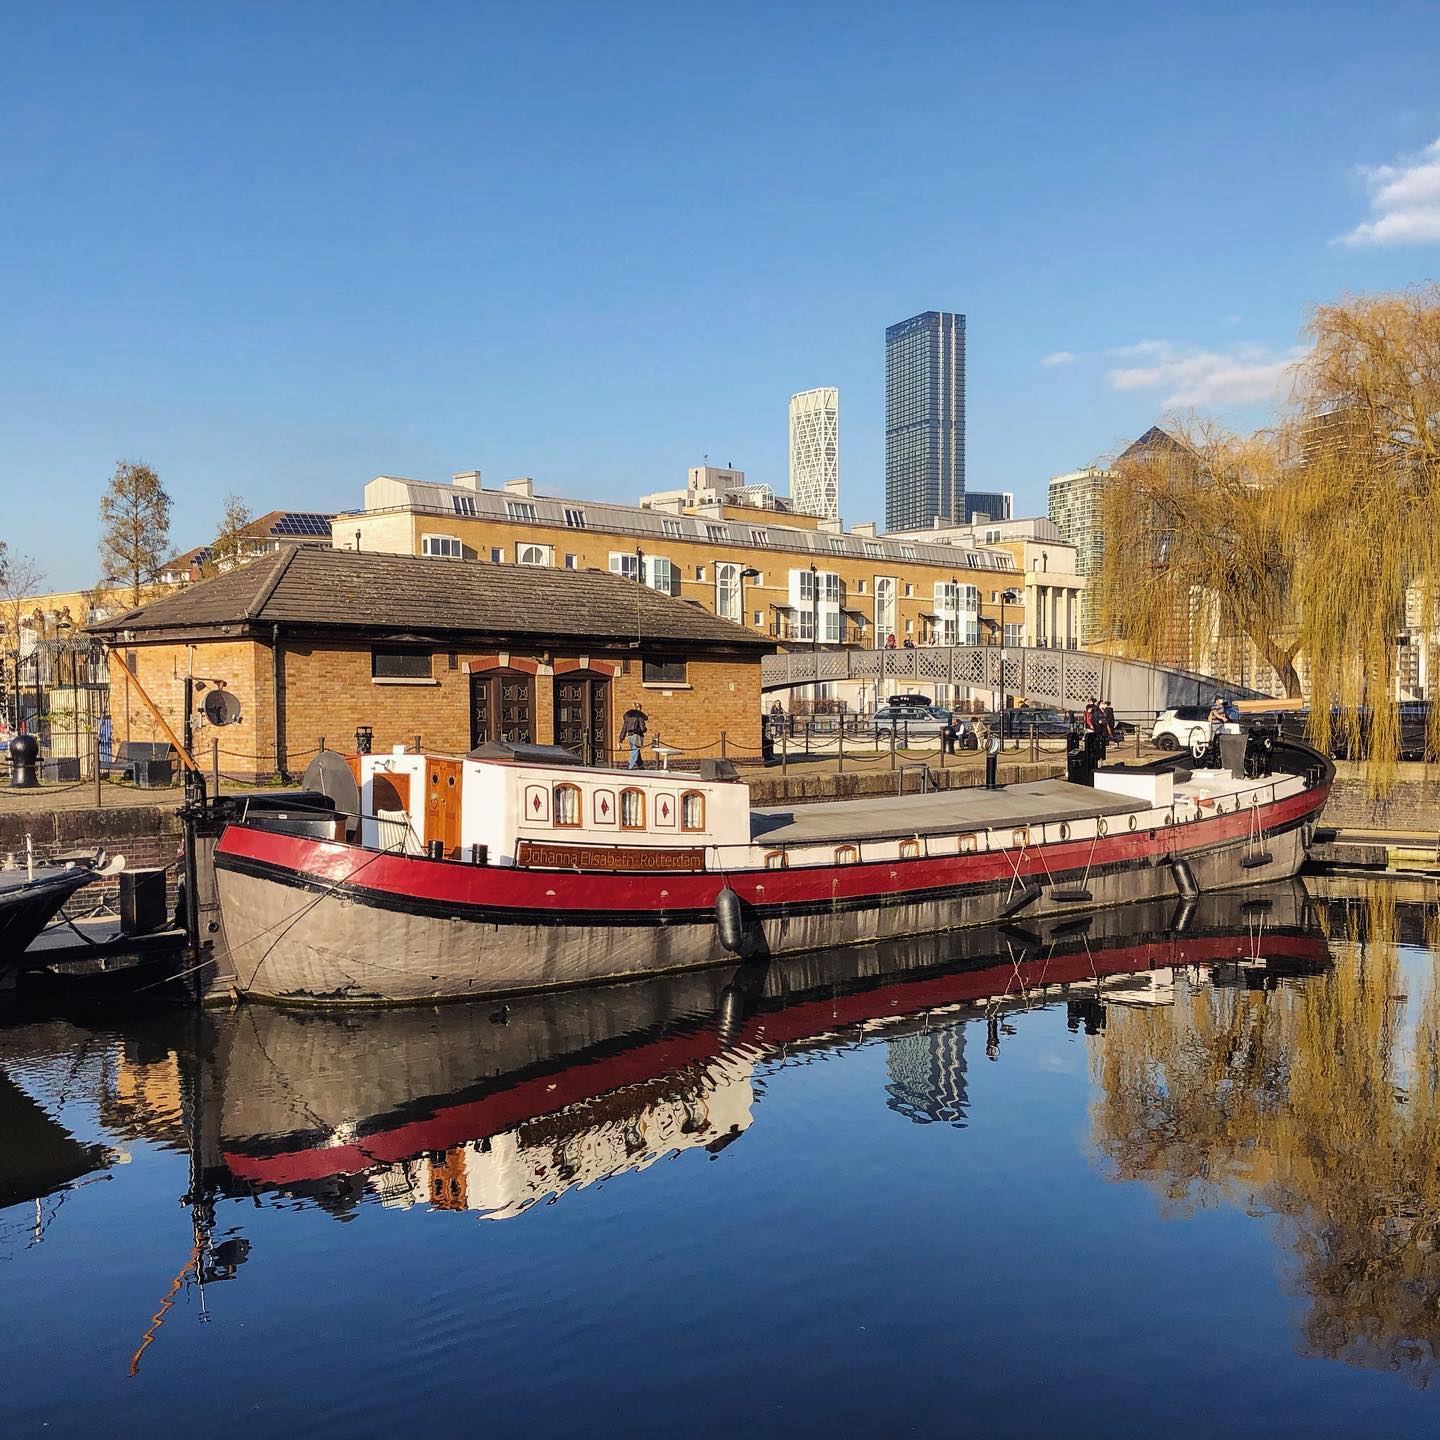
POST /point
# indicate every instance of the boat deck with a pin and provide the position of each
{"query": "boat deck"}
(941, 812)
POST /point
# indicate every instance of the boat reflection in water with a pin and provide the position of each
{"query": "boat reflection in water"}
(496, 1106)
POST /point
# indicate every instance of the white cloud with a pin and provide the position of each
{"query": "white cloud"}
(1189, 376)
(1059, 357)
(1405, 197)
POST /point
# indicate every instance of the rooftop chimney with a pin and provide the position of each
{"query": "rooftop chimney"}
(866, 529)
(523, 486)
(467, 480)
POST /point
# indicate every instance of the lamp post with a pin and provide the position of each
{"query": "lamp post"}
(748, 572)
(1007, 597)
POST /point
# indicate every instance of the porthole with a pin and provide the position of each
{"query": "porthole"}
(1101, 828)
(1064, 829)
(1132, 822)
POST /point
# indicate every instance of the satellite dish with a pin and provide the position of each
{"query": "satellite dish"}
(329, 774)
(221, 708)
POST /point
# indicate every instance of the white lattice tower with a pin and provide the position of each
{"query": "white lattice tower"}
(815, 452)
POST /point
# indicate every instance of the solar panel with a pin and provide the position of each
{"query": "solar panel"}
(296, 522)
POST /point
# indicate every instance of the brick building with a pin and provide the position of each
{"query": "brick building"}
(318, 642)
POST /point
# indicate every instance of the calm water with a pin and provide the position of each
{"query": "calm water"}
(1112, 1181)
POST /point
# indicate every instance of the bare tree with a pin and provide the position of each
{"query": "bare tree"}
(135, 529)
(228, 549)
(20, 582)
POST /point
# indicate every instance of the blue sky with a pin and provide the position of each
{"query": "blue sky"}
(281, 248)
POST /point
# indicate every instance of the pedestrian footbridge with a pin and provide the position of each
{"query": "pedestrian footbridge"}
(1063, 678)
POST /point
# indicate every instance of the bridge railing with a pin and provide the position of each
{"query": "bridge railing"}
(1063, 678)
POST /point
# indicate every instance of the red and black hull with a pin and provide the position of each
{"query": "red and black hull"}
(320, 922)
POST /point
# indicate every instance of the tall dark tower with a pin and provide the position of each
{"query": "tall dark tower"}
(925, 421)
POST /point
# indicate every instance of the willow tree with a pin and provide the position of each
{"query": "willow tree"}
(1363, 508)
(1198, 558)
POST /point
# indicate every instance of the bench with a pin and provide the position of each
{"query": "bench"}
(146, 762)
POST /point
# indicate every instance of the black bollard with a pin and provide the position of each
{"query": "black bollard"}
(24, 756)
(991, 764)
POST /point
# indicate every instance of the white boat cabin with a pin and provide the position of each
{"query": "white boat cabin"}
(541, 812)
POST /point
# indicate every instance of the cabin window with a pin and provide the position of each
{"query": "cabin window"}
(664, 670)
(777, 860)
(846, 854)
(567, 805)
(692, 810)
(632, 809)
(909, 849)
(397, 663)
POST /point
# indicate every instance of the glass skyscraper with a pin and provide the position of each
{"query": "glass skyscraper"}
(925, 421)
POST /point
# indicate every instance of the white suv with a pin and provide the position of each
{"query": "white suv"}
(1183, 727)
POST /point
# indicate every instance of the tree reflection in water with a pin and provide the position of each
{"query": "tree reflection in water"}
(1317, 1102)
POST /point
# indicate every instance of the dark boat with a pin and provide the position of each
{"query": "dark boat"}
(31, 896)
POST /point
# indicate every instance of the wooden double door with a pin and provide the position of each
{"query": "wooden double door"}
(502, 706)
(582, 715)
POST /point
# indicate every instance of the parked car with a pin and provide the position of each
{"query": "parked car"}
(1183, 727)
(1042, 720)
(1414, 721)
(910, 721)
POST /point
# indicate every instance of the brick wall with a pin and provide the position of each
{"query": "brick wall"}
(328, 692)
(1411, 805)
(146, 835)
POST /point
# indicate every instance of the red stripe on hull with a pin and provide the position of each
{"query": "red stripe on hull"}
(502, 888)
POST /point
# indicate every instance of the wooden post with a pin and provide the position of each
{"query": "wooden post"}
(417, 744)
(785, 752)
(321, 746)
(214, 767)
(95, 760)
(722, 745)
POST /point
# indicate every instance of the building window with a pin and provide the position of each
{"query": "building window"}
(777, 860)
(662, 575)
(395, 663)
(444, 547)
(567, 806)
(759, 537)
(872, 550)
(909, 849)
(837, 545)
(574, 518)
(496, 554)
(570, 563)
(909, 590)
(907, 552)
(632, 809)
(672, 528)
(663, 670)
(463, 504)
(699, 572)
(626, 563)
(532, 554)
(1012, 633)
(718, 534)
(727, 591)
(692, 810)
(520, 510)
(846, 854)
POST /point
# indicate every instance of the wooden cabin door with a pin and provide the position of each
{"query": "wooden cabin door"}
(502, 706)
(582, 716)
(442, 805)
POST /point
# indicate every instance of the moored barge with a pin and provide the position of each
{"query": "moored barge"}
(510, 871)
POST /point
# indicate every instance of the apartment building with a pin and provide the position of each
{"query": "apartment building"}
(797, 579)
(1050, 612)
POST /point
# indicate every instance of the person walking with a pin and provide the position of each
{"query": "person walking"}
(1107, 719)
(633, 725)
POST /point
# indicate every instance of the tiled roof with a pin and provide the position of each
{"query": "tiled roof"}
(346, 589)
